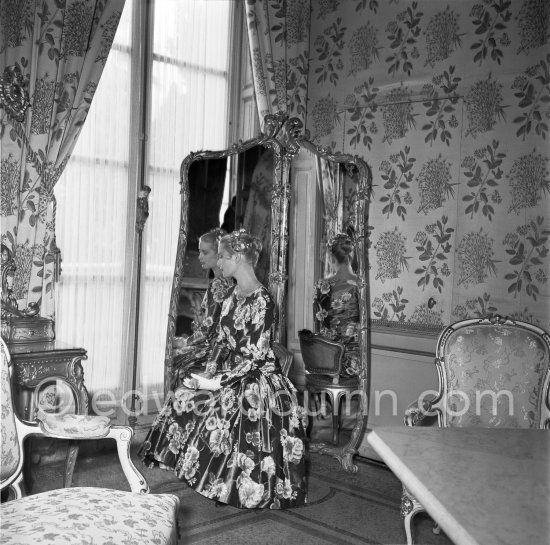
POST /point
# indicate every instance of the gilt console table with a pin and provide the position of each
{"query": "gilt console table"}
(37, 364)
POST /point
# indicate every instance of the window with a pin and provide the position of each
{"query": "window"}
(145, 118)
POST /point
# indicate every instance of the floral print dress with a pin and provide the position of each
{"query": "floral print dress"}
(193, 357)
(243, 444)
(336, 313)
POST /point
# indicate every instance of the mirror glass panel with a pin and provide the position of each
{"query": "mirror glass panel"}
(343, 186)
(338, 183)
(232, 188)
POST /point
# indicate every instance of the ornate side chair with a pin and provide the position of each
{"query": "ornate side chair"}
(493, 372)
(80, 514)
(284, 356)
(323, 363)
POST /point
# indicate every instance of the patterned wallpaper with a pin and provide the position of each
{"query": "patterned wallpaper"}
(449, 104)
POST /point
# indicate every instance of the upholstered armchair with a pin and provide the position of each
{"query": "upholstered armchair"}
(493, 372)
(80, 514)
(323, 364)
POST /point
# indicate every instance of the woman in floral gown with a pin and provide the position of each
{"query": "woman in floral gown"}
(336, 304)
(239, 436)
(191, 353)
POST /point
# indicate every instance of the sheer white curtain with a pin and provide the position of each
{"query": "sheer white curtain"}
(92, 209)
(187, 111)
(190, 88)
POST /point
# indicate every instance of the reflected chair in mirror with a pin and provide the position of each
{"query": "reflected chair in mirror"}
(79, 514)
(493, 373)
(284, 356)
(323, 364)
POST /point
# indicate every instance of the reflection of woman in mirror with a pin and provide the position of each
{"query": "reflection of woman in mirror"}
(239, 436)
(191, 352)
(336, 303)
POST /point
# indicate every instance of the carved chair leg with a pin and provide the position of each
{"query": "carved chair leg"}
(323, 409)
(336, 418)
(309, 426)
(340, 412)
(334, 415)
(335, 427)
(310, 404)
(410, 507)
(316, 399)
(70, 461)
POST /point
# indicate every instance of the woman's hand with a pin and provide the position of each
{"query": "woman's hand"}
(198, 382)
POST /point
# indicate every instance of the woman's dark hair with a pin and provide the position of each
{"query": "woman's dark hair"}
(341, 247)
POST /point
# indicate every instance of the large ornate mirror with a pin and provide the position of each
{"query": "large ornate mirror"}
(337, 203)
(243, 186)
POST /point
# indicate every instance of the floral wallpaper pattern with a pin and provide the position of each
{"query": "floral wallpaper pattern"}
(52, 52)
(449, 104)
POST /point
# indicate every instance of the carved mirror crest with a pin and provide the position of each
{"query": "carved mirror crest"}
(243, 186)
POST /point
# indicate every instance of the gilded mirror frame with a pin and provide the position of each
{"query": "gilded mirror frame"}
(346, 453)
(279, 229)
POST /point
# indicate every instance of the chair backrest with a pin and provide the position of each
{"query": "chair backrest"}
(10, 449)
(284, 356)
(494, 372)
(321, 355)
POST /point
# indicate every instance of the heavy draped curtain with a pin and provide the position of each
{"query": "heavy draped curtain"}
(53, 52)
(278, 32)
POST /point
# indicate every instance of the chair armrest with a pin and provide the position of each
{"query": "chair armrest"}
(416, 415)
(81, 427)
(73, 426)
(123, 437)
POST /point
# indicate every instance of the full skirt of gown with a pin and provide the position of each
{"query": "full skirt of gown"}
(243, 445)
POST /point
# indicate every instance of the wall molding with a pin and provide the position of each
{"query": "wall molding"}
(399, 350)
